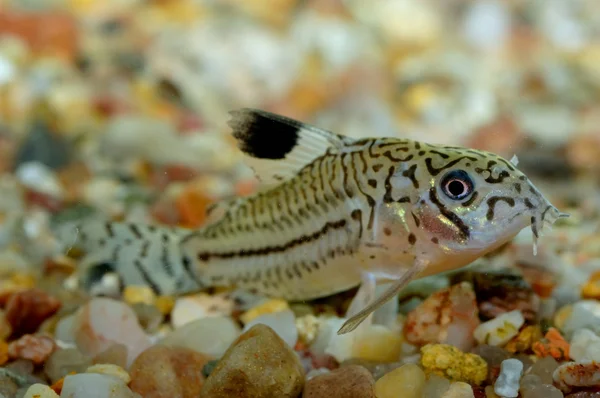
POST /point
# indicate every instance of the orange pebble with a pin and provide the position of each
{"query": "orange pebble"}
(553, 344)
(191, 205)
(3, 352)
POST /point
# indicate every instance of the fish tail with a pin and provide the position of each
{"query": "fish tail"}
(139, 254)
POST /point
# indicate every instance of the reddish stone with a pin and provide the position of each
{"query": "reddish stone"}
(27, 309)
(47, 33)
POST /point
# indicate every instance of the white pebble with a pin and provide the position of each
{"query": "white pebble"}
(507, 384)
(211, 336)
(111, 370)
(198, 306)
(499, 330)
(40, 391)
(39, 177)
(93, 385)
(459, 389)
(585, 345)
(282, 322)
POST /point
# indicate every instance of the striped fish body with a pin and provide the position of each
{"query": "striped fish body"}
(309, 237)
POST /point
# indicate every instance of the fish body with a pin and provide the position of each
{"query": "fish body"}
(333, 210)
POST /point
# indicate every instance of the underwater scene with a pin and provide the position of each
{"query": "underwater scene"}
(299, 198)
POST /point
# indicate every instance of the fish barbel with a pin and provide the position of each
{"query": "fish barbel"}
(334, 213)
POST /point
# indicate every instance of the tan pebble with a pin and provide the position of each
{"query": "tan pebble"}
(138, 294)
(459, 389)
(561, 316)
(165, 304)
(378, 343)
(406, 381)
(490, 393)
(111, 370)
(116, 354)
(40, 391)
(268, 307)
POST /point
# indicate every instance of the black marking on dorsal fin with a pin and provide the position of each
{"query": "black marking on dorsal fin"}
(277, 147)
(264, 135)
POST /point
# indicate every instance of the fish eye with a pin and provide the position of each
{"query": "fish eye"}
(457, 185)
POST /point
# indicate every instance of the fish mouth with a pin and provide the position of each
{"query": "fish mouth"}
(543, 221)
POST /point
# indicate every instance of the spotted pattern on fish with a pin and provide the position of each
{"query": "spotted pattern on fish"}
(335, 209)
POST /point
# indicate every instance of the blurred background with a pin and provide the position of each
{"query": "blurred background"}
(120, 106)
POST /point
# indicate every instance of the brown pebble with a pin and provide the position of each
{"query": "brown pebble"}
(259, 364)
(349, 382)
(166, 372)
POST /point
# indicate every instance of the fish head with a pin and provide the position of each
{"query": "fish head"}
(475, 201)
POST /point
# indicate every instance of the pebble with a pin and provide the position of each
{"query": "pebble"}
(191, 308)
(40, 391)
(446, 360)
(407, 381)
(165, 304)
(349, 382)
(211, 336)
(448, 316)
(282, 322)
(44, 146)
(501, 291)
(542, 391)
(525, 339)
(499, 330)
(149, 317)
(103, 322)
(3, 352)
(94, 385)
(64, 361)
(577, 374)
(39, 178)
(111, 370)
(584, 314)
(507, 383)
(266, 307)
(585, 345)
(459, 389)
(36, 348)
(164, 372)
(27, 309)
(553, 344)
(116, 354)
(258, 364)
(5, 327)
(544, 368)
(8, 387)
(435, 386)
(133, 294)
(308, 327)
(377, 343)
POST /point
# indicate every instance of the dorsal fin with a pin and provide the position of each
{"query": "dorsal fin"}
(277, 147)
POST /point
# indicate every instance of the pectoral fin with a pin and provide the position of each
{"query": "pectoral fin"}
(389, 294)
